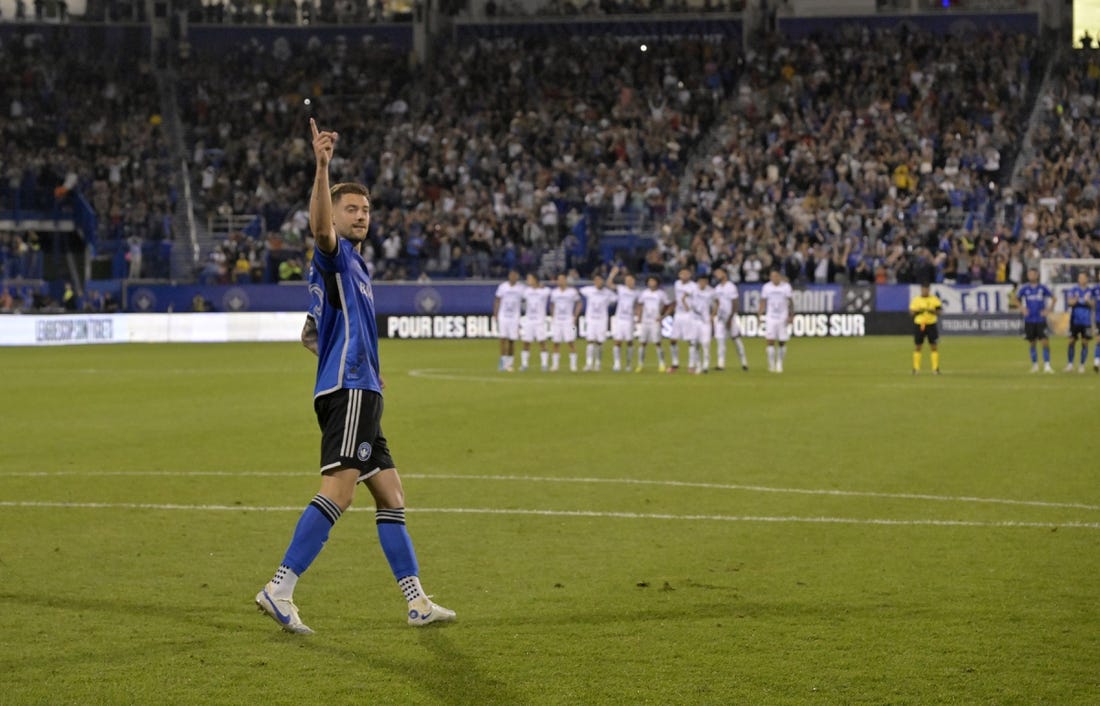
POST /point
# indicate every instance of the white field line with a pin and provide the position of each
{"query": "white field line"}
(564, 513)
(609, 481)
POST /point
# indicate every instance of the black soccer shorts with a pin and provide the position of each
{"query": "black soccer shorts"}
(1035, 330)
(351, 432)
(1082, 331)
(931, 332)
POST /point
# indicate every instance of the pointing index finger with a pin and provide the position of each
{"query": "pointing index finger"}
(313, 126)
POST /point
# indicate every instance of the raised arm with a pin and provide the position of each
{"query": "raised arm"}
(320, 202)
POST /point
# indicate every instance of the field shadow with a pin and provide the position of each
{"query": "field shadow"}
(446, 672)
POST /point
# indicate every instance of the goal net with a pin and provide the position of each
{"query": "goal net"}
(1064, 270)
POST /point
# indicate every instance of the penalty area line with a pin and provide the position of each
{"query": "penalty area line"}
(566, 513)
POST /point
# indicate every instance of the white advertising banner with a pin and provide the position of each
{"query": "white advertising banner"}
(19, 330)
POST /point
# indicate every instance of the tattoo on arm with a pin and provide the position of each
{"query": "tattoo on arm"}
(309, 335)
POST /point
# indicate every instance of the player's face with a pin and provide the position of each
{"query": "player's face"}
(561, 281)
(513, 277)
(598, 281)
(685, 275)
(532, 281)
(351, 217)
(720, 275)
(924, 290)
(703, 282)
(1082, 279)
(1033, 276)
(652, 283)
(630, 281)
(776, 277)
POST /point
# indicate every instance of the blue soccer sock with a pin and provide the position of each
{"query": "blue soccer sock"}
(310, 535)
(1072, 344)
(1046, 355)
(1034, 355)
(1084, 352)
(396, 543)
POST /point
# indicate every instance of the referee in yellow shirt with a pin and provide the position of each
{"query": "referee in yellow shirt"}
(925, 310)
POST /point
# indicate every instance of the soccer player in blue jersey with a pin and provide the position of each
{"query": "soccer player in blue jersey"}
(1036, 301)
(1096, 327)
(348, 403)
(1080, 304)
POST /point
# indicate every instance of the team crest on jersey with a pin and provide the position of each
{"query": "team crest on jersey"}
(363, 453)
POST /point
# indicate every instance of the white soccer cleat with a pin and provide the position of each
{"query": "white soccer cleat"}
(1081, 368)
(1047, 368)
(778, 367)
(1034, 367)
(422, 612)
(1068, 368)
(282, 611)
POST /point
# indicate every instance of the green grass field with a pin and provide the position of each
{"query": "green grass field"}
(841, 534)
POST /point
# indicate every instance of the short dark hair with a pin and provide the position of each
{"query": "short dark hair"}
(349, 187)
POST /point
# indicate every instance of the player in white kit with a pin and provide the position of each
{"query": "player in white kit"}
(653, 304)
(725, 320)
(622, 324)
(506, 310)
(683, 321)
(565, 307)
(777, 308)
(702, 308)
(598, 300)
(533, 326)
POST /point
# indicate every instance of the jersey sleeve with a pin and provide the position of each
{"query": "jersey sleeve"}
(336, 262)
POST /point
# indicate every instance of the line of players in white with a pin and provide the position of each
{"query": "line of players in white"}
(701, 312)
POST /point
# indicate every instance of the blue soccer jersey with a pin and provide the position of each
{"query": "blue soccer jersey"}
(1033, 299)
(347, 333)
(1096, 298)
(1080, 312)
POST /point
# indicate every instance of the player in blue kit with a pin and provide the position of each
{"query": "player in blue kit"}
(1096, 327)
(348, 403)
(1036, 301)
(1080, 304)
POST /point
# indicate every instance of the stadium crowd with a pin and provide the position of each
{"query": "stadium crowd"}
(867, 157)
(487, 163)
(77, 122)
(848, 159)
(1061, 183)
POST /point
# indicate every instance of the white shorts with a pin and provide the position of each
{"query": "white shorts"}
(595, 331)
(702, 332)
(727, 328)
(622, 329)
(683, 327)
(563, 332)
(650, 332)
(532, 331)
(777, 330)
(509, 328)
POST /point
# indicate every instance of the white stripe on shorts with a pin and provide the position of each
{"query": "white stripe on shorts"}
(351, 422)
